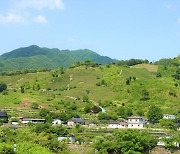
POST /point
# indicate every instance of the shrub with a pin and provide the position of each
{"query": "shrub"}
(3, 87)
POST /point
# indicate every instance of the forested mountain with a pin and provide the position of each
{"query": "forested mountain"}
(36, 57)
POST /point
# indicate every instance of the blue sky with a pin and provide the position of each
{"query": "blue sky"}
(121, 29)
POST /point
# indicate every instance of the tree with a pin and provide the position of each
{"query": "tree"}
(158, 75)
(96, 109)
(172, 142)
(127, 82)
(145, 95)
(87, 109)
(44, 112)
(6, 149)
(134, 78)
(129, 112)
(61, 70)
(34, 106)
(122, 112)
(125, 142)
(140, 112)
(79, 128)
(38, 87)
(22, 89)
(176, 75)
(85, 98)
(154, 114)
(3, 87)
(168, 123)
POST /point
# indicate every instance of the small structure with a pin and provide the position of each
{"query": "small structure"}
(14, 123)
(178, 125)
(57, 122)
(102, 109)
(71, 138)
(31, 120)
(3, 117)
(136, 122)
(168, 116)
(74, 121)
(117, 124)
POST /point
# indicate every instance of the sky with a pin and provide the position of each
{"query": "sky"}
(120, 29)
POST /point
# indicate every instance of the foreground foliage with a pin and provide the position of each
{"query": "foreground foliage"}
(121, 142)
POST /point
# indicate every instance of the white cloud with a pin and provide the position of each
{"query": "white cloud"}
(39, 4)
(40, 19)
(169, 6)
(12, 18)
(178, 20)
(24, 11)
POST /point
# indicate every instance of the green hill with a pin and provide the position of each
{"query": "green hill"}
(104, 86)
(36, 57)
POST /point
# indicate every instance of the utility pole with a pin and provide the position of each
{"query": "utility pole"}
(15, 147)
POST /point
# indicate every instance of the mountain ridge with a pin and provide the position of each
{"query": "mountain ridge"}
(35, 57)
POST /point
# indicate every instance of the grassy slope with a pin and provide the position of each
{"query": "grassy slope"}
(85, 79)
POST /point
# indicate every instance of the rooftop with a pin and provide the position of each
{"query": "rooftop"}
(76, 120)
(118, 123)
(32, 119)
(135, 117)
(3, 114)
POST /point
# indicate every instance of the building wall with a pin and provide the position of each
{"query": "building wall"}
(134, 120)
(116, 126)
(70, 123)
(169, 117)
(25, 122)
(135, 125)
(57, 122)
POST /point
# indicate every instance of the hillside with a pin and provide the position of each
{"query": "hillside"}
(36, 57)
(105, 86)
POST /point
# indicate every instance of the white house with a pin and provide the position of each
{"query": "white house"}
(136, 122)
(168, 116)
(117, 124)
(57, 122)
(32, 120)
(74, 121)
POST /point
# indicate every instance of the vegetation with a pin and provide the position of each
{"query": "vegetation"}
(3, 87)
(125, 142)
(154, 114)
(94, 92)
(34, 57)
(29, 141)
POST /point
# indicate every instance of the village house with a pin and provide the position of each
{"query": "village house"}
(31, 120)
(74, 121)
(63, 138)
(56, 122)
(168, 116)
(136, 122)
(117, 124)
(3, 117)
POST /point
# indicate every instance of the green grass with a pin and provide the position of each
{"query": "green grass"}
(84, 80)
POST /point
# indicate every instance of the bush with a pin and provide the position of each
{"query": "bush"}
(154, 114)
(87, 109)
(34, 106)
(96, 109)
(3, 87)
(5, 92)
(6, 149)
(85, 98)
(158, 75)
(125, 142)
